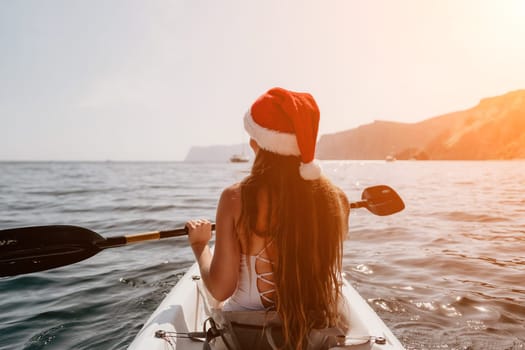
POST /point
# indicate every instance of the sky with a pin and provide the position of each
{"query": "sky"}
(147, 80)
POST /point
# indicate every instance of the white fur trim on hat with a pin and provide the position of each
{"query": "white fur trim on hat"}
(310, 171)
(271, 140)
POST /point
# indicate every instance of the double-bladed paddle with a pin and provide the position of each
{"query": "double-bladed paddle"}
(37, 248)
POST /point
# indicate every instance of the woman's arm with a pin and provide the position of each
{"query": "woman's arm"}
(220, 270)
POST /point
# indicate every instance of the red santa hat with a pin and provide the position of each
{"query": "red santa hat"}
(286, 123)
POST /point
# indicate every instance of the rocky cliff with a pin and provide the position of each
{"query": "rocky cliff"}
(494, 129)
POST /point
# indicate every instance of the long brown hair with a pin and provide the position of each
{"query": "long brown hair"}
(307, 221)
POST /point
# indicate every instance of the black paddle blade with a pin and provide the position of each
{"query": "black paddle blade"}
(382, 200)
(38, 248)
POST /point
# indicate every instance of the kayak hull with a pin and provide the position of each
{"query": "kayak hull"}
(188, 305)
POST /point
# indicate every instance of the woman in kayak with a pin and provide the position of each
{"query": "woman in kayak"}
(280, 231)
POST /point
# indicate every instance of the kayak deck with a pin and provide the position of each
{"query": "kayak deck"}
(188, 305)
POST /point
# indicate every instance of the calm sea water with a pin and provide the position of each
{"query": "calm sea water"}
(446, 273)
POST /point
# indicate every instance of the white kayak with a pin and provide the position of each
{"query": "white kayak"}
(182, 314)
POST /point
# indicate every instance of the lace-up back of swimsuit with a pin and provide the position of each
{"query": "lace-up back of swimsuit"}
(256, 288)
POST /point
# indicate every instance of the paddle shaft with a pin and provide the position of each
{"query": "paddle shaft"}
(360, 204)
(118, 241)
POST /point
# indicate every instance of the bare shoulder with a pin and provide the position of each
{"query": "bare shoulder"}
(231, 198)
(231, 193)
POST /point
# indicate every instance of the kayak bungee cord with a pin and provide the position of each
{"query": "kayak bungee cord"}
(228, 334)
(213, 332)
(205, 336)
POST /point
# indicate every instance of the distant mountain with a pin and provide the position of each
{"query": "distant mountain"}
(217, 153)
(494, 129)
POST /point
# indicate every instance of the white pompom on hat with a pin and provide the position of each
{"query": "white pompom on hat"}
(286, 122)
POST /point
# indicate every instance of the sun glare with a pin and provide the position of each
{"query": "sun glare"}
(515, 10)
(503, 24)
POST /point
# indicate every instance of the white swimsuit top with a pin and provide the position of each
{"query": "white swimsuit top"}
(247, 295)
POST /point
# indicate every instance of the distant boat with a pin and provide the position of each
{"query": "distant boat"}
(390, 158)
(239, 158)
